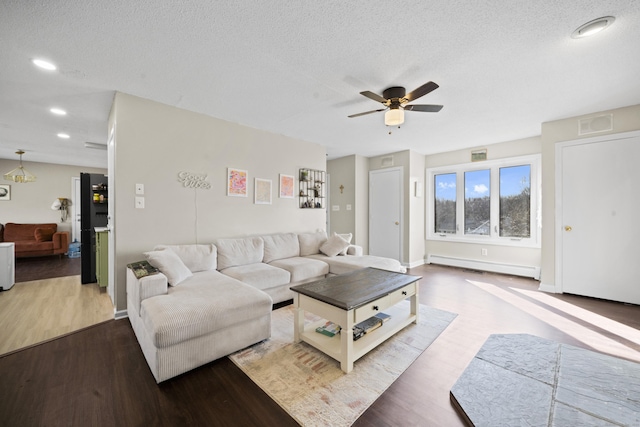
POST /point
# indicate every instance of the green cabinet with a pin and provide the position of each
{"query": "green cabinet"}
(102, 258)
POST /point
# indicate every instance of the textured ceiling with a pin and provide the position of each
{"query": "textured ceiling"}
(297, 67)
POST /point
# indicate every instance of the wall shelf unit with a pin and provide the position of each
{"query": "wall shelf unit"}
(312, 189)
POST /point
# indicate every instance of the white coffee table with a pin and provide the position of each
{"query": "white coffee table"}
(347, 300)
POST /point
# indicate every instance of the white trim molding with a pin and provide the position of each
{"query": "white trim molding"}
(121, 314)
(494, 267)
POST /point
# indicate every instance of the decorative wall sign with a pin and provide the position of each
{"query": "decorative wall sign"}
(194, 180)
(5, 192)
(262, 191)
(286, 186)
(237, 182)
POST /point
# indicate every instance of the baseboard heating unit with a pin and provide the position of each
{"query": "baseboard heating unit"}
(494, 267)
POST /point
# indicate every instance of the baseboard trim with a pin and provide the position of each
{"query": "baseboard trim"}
(122, 314)
(516, 270)
(548, 288)
(414, 264)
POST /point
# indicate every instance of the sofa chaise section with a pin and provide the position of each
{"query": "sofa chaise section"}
(203, 317)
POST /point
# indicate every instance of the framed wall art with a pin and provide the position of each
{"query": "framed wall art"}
(286, 186)
(262, 191)
(5, 192)
(237, 182)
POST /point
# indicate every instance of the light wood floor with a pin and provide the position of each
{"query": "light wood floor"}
(36, 311)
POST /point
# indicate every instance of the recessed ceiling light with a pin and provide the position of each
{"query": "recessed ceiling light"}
(63, 136)
(592, 27)
(46, 65)
(58, 111)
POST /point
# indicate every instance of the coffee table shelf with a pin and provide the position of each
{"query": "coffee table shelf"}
(331, 346)
(348, 299)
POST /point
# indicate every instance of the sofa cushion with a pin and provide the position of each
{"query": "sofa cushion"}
(170, 265)
(17, 232)
(235, 252)
(310, 242)
(334, 245)
(302, 269)
(206, 302)
(347, 237)
(259, 275)
(44, 234)
(279, 246)
(195, 257)
(348, 263)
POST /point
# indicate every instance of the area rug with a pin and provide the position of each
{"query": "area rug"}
(312, 388)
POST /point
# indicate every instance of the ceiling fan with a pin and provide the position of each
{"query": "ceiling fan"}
(395, 100)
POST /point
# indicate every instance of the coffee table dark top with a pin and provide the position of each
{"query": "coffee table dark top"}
(352, 290)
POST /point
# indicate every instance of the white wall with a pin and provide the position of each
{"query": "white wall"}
(31, 202)
(625, 119)
(496, 253)
(154, 142)
(342, 172)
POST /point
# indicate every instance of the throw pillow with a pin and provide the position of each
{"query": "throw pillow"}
(170, 264)
(334, 245)
(44, 234)
(346, 237)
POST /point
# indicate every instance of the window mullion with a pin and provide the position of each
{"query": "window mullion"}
(495, 202)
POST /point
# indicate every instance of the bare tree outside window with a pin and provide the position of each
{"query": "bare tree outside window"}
(515, 201)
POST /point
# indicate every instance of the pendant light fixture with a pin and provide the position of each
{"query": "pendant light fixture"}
(20, 174)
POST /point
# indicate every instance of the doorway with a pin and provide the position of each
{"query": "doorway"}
(597, 207)
(385, 212)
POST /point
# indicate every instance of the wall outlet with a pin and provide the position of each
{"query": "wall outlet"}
(484, 252)
(348, 207)
(140, 189)
(139, 202)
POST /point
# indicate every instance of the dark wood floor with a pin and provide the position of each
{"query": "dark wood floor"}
(46, 267)
(99, 377)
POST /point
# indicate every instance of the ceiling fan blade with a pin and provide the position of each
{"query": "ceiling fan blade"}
(424, 108)
(373, 96)
(421, 91)
(365, 113)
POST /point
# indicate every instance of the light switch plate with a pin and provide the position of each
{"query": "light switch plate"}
(139, 202)
(139, 189)
(335, 208)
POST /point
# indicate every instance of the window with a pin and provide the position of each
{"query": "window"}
(445, 203)
(493, 202)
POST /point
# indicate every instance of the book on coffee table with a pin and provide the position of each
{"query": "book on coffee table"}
(329, 329)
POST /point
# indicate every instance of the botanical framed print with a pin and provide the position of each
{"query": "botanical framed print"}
(5, 192)
(237, 182)
(262, 191)
(286, 186)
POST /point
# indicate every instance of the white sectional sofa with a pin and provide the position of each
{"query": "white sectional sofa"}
(211, 300)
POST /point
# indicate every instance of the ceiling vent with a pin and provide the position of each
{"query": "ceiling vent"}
(595, 124)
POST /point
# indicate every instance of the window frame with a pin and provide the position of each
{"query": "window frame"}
(494, 238)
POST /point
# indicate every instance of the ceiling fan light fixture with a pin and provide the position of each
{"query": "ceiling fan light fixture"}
(592, 27)
(394, 117)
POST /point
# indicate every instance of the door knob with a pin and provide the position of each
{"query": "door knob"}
(397, 223)
(567, 228)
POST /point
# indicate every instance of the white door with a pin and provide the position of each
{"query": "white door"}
(598, 228)
(385, 213)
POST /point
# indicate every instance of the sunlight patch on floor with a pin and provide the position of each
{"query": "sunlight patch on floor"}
(581, 333)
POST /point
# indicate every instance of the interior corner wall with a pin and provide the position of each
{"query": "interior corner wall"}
(342, 173)
(362, 203)
(31, 202)
(155, 142)
(472, 251)
(625, 119)
(352, 173)
(417, 208)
